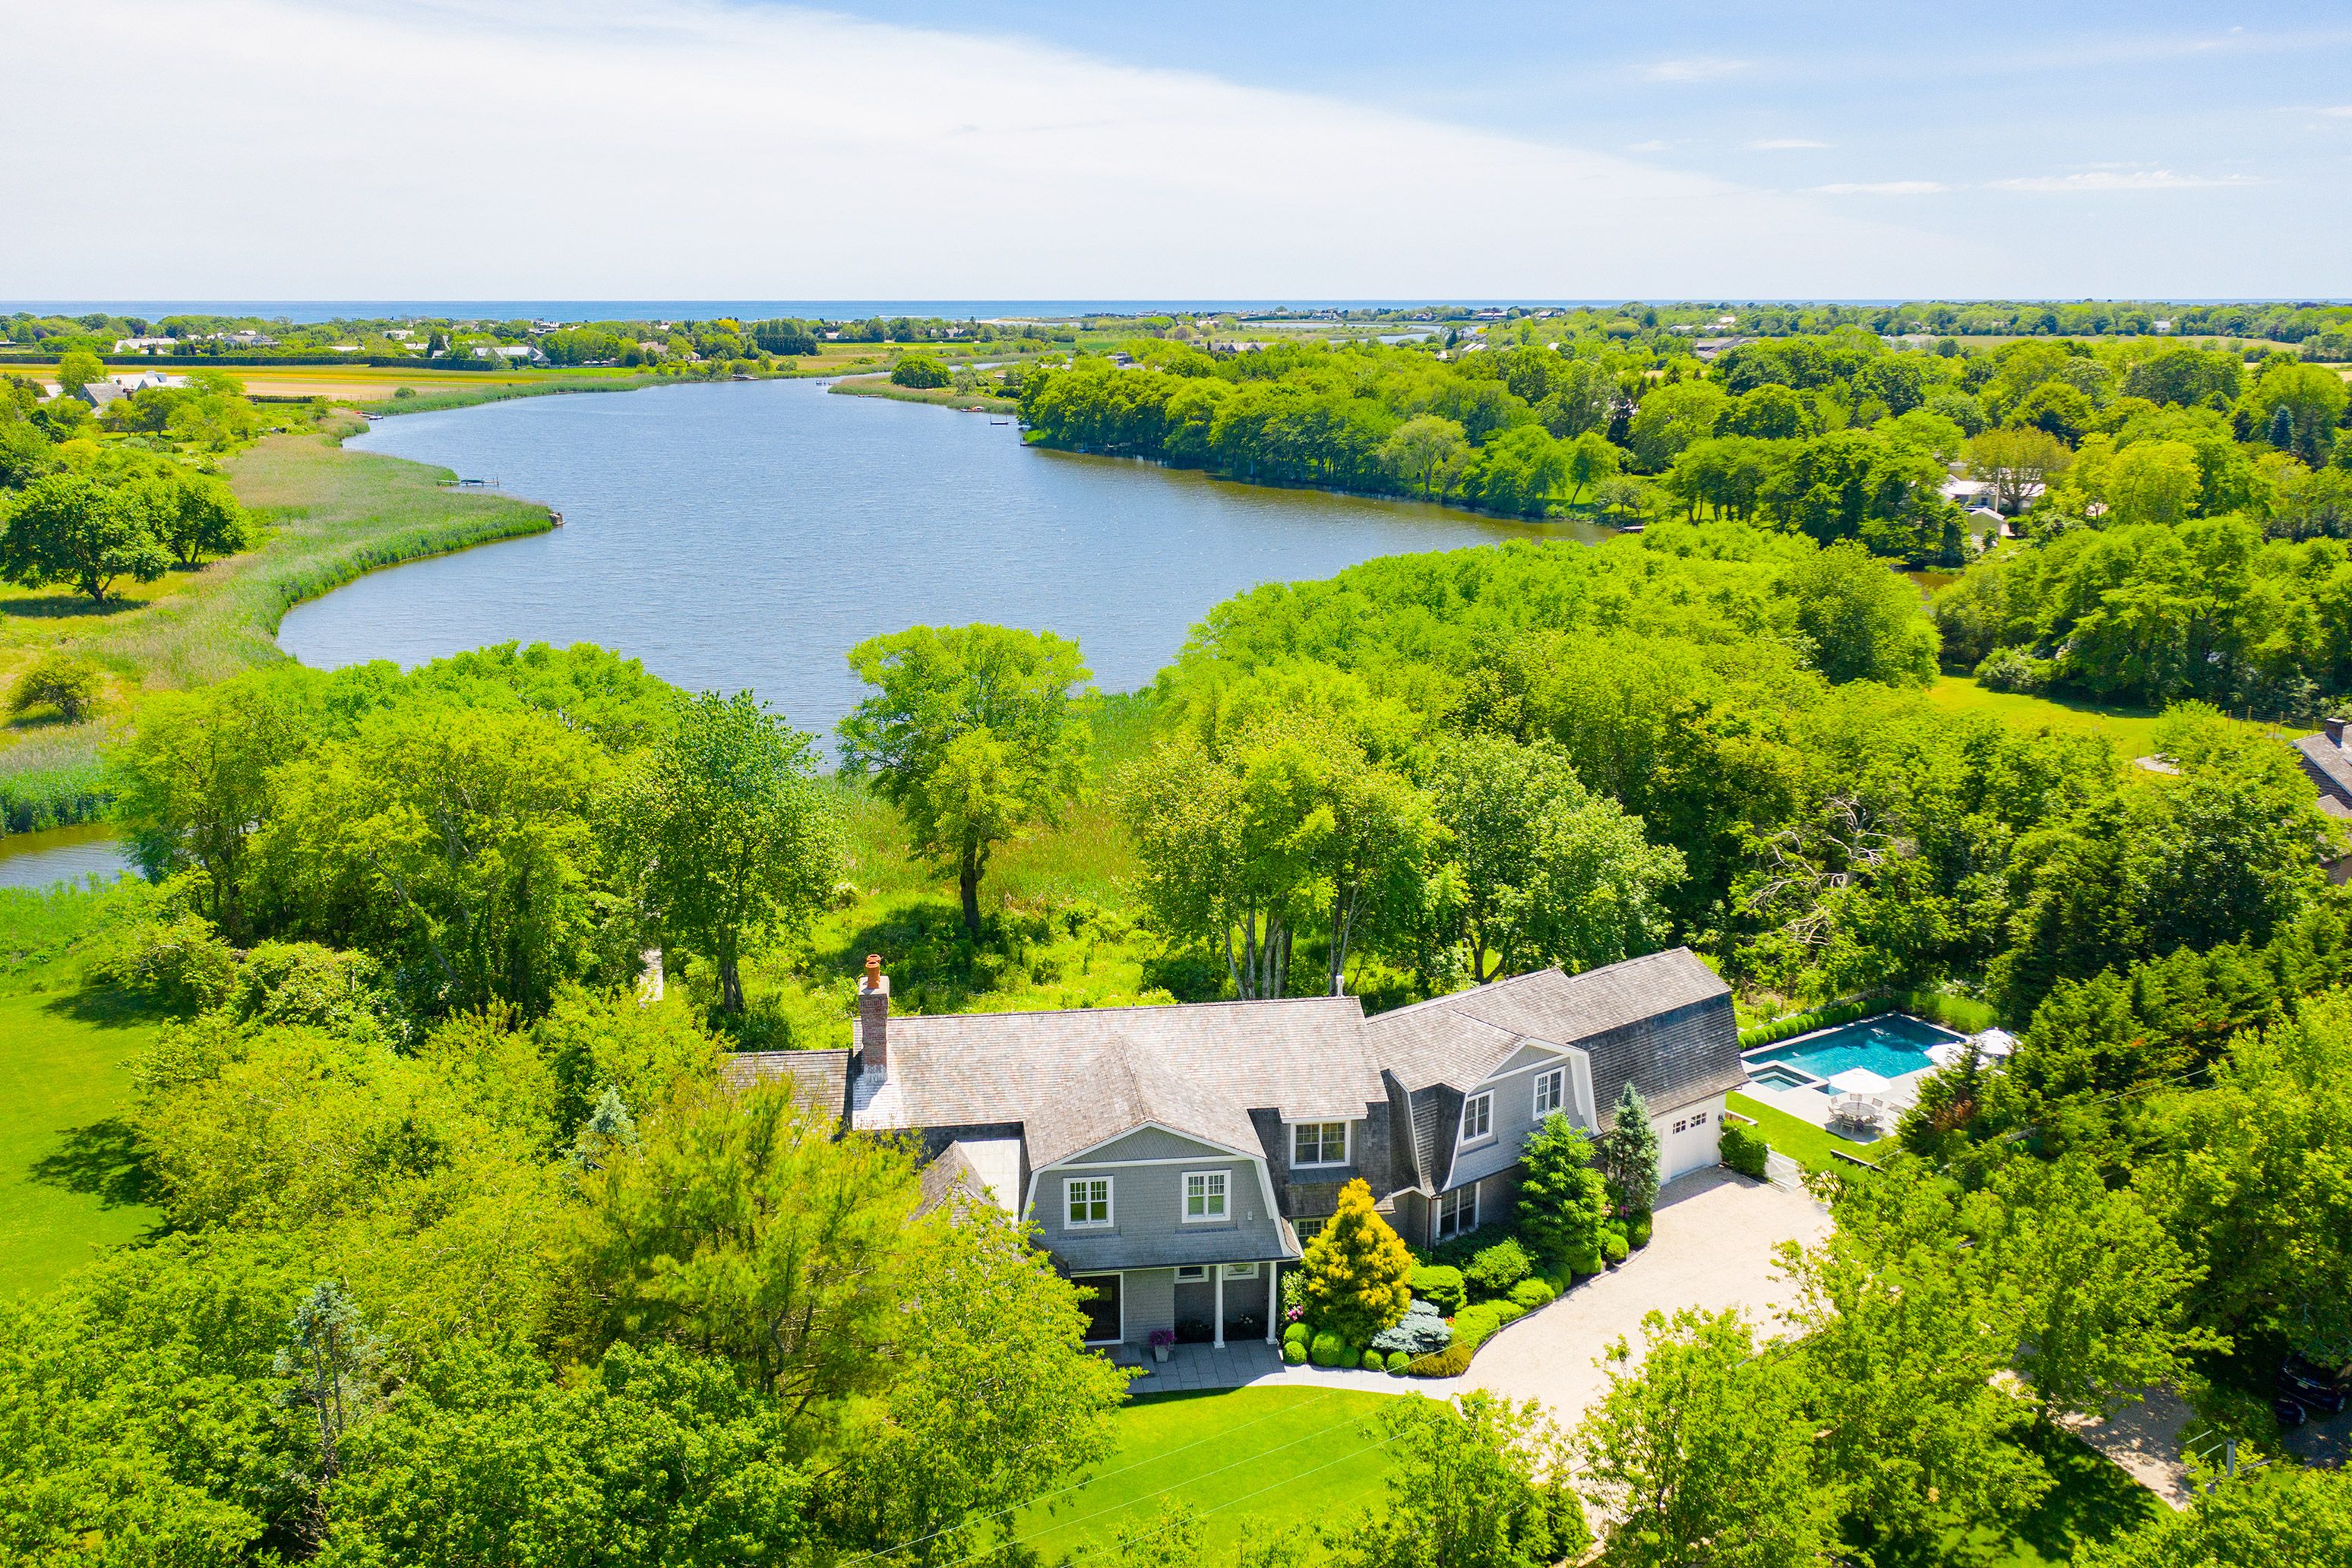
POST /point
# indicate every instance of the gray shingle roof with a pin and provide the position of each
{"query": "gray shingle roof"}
(1459, 1039)
(1075, 1079)
(2329, 766)
(820, 1078)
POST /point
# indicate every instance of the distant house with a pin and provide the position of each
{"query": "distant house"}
(1708, 348)
(1984, 495)
(529, 352)
(145, 345)
(1172, 1157)
(102, 393)
(2328, 763)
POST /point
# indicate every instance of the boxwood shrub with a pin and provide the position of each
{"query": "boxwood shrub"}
(1439, 1286)
(1329, 1350)
(1637, 1231)
(1499, 1268)
(1533, 1293)
(1397, 1362)
(1294, 1352)
(1373, 1361)
(1612, 1244)
(1743, 1149)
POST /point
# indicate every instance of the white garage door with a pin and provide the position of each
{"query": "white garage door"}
(1686, 1138)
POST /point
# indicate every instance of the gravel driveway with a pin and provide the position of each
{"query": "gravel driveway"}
(1711, 1246)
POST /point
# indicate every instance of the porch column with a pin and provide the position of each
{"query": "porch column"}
(1272, 1300)
(1217, 1270)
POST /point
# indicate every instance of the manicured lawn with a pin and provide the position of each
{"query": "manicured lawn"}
(2133, 729)
(1275, 1455)
(1800, 1141)
(68, 1181)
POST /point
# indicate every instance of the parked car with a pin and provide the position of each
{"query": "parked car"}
(2288, 1412)
(2315, 1396)
(2299, 1366)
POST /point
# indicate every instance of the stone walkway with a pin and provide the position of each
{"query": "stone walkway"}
(1192, 1369)
(1712, 1247)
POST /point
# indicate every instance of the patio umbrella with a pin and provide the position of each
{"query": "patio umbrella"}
(1860, 1080)
(1995, 1044)
(1944, 1055)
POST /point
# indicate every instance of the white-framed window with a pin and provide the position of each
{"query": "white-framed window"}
(1088, 1199)
(1241, 1270)
(1698, 1118)
(1458, 1211)
(1478, 1118)
(1204, 1196)
(1191, 1274)
(1550, 1092)
(1679, 1126)
(1319, 1144)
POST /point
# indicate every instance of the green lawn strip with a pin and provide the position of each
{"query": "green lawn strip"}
(1274, 1456)
(2133, 729)
(2093, 1500)
(70, 1183)
(943, 396)
(1801, 1140)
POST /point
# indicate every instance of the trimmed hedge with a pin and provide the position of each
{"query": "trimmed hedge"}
(1373, 1361)
(1398, 1361)
(1499, 1268)
(1299, 1331)
(1533, 1293)
(1744, 1149)
(1796, 1024)
(1613, 1247)
(1439, 1286)
(1637, 1231)
(1329, 1350)
(1294, 1352)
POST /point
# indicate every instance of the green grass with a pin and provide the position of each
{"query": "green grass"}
(944, 396)
(71, 1180)
(1273, 1456)
(1801, 1140)
(2133, 729)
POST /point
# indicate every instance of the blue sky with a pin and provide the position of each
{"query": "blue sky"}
(1027, 148)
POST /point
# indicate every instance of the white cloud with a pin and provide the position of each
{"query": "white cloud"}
(2338, 110)
(1783, 144)
(1881, 188)
(1653, 145)
(2113, 179)
(1703, 70)
(682, 149)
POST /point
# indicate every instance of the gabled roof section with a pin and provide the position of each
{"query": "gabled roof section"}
(1458, 1040)
(1076, 1079)
(820, 1078)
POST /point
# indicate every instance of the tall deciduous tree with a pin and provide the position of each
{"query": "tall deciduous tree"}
(973, 732)
(1700, 1452)
(193, 784)
(68, 528)
(1543, 870)
(736, 836)
(1484, 1486)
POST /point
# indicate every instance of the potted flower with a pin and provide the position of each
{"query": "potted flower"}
(1162, 1341)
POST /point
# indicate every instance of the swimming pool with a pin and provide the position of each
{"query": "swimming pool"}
(1890, 1046)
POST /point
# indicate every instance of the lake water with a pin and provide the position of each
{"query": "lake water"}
(747, 534)
(61, 855)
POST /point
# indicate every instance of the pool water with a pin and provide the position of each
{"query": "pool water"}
(1775, 1076)
(1889, 1046)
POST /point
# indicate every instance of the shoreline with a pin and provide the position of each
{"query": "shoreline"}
(330, 516)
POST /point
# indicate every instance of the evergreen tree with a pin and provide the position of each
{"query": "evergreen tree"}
(2282, 430)
(1627, 1154)
(1355, 1273)
(1564, 1201)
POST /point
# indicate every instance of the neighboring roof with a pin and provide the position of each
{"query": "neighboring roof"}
(820, 1078)
(1072, 1079)
(2329, 764)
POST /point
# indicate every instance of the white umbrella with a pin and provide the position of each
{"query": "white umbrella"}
(1944, 1055)
(1860, 1080)
(1995, 1044)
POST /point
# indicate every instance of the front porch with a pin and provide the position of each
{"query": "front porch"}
(1203, 1369)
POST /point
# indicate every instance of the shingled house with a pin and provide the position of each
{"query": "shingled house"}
(1170, 1157)
(2328, 762)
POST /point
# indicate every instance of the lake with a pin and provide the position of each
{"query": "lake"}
(747, 534)
(61, 855)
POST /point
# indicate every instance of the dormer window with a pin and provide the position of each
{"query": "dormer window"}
(1549, 1087)
(1478, 1118)
(1317, 1143)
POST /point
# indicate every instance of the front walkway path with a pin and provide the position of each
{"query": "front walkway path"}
(1191, 1368)
(1711, 1247)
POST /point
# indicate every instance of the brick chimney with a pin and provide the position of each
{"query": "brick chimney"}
(2334, 728)
(874, 1019)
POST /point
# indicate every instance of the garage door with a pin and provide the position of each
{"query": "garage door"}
(1686, 1141)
